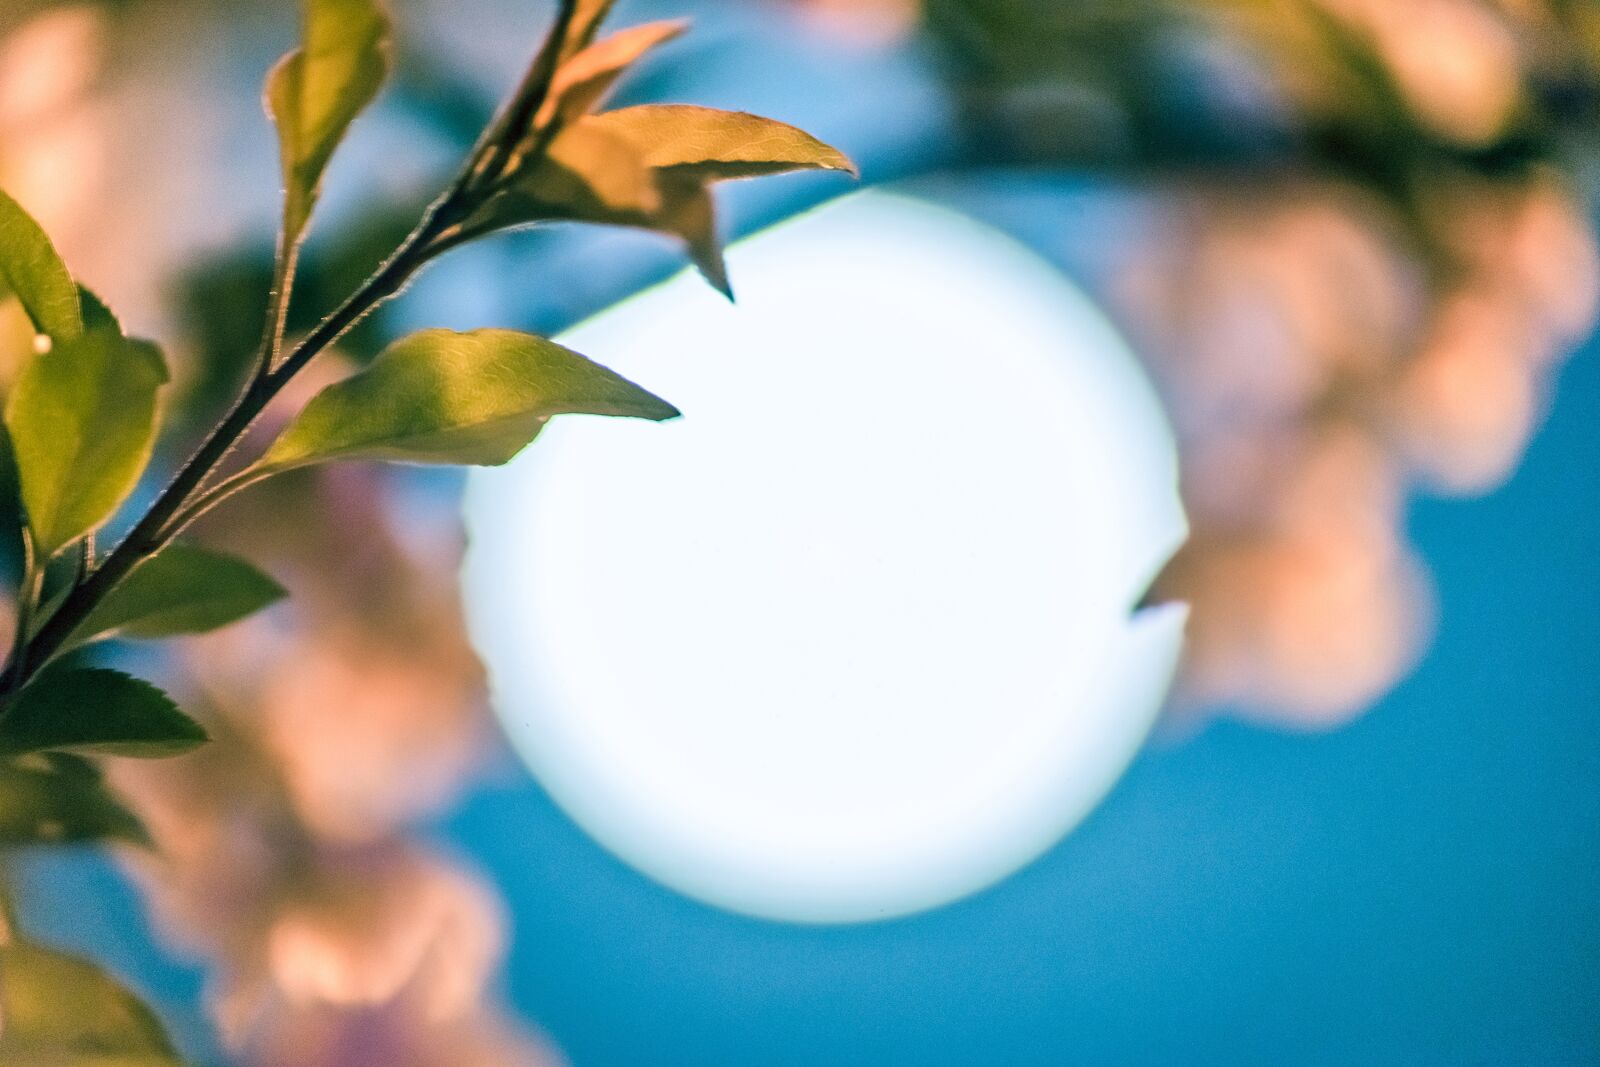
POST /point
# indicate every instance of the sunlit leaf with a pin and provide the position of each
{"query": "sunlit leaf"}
(97, 711)
(63, 1011)
(30, 268)
(582, 83)
(316, 91)
(455, 398)
(182, 590)
(527, 122)
(596, 168)
(593, 176)
(687, 212)
(683, 209)
(576, 25)
(82, 419)
(587, 175)
(714, 145)
(57, 799)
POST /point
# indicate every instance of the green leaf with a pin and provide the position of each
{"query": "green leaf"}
(583, 82)
(82, 419)
(714, 145)
(455, 398)
(58, 799)
(96, 315)
(181, 590)
(61, 1010)
(30, 267)
(94, 710)
(316, 92)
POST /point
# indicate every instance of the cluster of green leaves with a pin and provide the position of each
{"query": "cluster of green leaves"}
(82, 417)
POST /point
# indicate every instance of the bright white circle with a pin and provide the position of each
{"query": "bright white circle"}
(852, 639)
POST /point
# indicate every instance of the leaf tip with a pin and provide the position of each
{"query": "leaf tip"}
(713, 267)
(831, 158)
(672, 29)
(199, 739)
(664, 411)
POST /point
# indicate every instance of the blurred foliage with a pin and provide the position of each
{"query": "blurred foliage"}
(60, 798)
(1376, 91)
(63, 1011)
(1404, 100)
(1371, 242)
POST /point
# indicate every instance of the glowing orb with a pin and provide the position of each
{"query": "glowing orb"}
(853, 638)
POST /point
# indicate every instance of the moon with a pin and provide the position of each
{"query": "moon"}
(855, 637)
